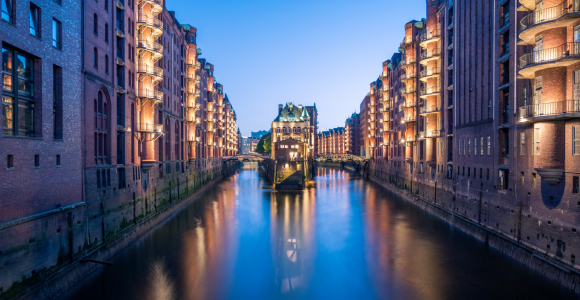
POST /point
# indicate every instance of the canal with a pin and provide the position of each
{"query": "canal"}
(345, 239)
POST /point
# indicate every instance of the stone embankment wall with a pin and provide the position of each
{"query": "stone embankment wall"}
(524, 233)
(42, 256)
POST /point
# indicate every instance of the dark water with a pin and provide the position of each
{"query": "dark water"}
(345, 239)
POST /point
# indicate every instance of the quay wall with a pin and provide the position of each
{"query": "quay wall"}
(42, 256)
(522, 229)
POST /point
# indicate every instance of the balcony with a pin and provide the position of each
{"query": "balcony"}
(406, 91)
(193, 92)
(193, 105)
(431, 134)
(193, 78)
(194, 64)
(149, 128)
(430, 55)
(148, 21)
(527, 5)
(430, 91)
(425, 110)
(155, 49)
(430, 73)
(405, 77)
(150, 95)
(561, 15)
(408, 62)
(406, 41)
(561, 56)
(156, 5)
(429, 37)
(550, 111)
(409, 118)
(156, 73)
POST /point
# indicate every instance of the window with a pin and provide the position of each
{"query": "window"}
(9, 162)
(575, 140)
(7, 115)
(56, 34)
(7, 12)
(106, 64)
(522, 178)
(17, 107)
(34, 20)
(95, 24)
(489, 145)
(107, 33)
(481, 145)
(96, 58)
(469, 147)
(106, 5)
(575, 184)
(37, 161)
(522, 142)
(533, 179)
(536, 141)
(57, 102)
(487, 177)
(475, 146)
(58, 160)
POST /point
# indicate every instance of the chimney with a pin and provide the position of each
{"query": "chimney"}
(280, 108)
(300, 107)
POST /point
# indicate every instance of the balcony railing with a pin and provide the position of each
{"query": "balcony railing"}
(150, 70)
(548, 14)
(431, 134)
(550, 109)
(153, 2)
(150, 95)
(407, 62)
(150, 46)
(406, 41)
(149, 127)
(430, 53)
(150, 21)
(405, 91)
(435, 33)
(194, 92)
(193, 105)
(430, 72)
(430, 90)
(548, 55)
(430, 109)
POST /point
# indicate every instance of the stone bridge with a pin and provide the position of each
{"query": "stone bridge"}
(246, 157)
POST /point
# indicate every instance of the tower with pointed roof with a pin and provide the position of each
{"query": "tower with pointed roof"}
(293, 134)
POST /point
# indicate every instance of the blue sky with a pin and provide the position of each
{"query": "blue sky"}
(268, 52)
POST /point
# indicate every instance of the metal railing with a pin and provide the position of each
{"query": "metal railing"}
(431, 53)
(431, 134)
(548, 14)
(158, 2)
(430, 109)
(150, 21)
(151, 46)
(550, 109)
(406, 41)
(150, 70)
(407, 62)
(194, 105)
(430, 90)
(548, 55)
(150, 94)
(430, 72)
(149, 127)
(435, 33)
(410, 90)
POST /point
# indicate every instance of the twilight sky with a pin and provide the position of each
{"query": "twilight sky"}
(268, 52)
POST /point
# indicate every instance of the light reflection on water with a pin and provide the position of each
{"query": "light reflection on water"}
(346, 238)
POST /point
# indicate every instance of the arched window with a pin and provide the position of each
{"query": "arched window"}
(107, 5)
(96, 25)
(100, 103)
(96, 58)
(277, 130)
(283, 129)
(106, 32)
(107, 64)
(299, 130)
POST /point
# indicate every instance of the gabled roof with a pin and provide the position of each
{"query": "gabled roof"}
(292, 113)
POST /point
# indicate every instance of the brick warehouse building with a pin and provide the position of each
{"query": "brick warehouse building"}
(150, 122)
(479, 117)
(332, 141)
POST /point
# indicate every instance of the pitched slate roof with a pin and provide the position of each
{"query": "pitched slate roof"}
(292, 113)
